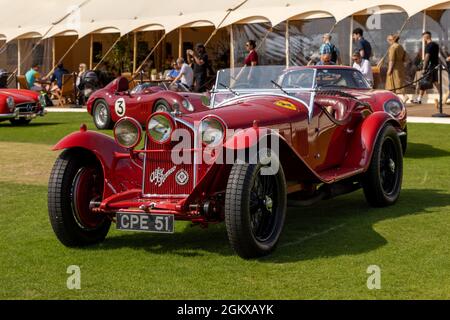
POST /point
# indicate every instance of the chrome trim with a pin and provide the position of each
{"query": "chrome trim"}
(6, 116)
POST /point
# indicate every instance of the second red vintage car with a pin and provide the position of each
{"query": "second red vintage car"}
(117, 100)
(292, 141)
(20, 106)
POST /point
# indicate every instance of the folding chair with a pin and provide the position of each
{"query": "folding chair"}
(67, 91)
(22, 81)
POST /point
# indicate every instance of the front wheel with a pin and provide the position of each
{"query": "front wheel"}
(383, 181)
(161, 106)
(20, 122)
(255, 210)
(76, 183)
(102, 115)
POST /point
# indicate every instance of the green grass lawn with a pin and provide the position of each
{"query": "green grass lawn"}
(324, 252)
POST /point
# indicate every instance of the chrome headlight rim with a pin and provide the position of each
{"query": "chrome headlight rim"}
(188, 105)
(394, 103)
(170, 129)
(10, 103)
(217, 120)
(42, 100)
(117, 134)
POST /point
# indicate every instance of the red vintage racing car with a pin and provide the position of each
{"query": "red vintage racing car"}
(20, 106)
(117, 100)
(288, 139)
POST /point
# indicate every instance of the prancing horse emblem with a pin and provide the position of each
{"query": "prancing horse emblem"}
(158, 177)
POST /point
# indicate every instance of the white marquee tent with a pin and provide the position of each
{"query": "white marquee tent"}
(25, 19)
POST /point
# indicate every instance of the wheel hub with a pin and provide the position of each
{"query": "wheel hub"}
(268, 203)
(392, 165)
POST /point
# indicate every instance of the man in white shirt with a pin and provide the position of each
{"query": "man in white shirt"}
(186, 75)
(364, 66)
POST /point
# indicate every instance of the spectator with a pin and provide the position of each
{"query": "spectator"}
(186, 76)
(363, 66)
(430, 63)
(328, 47)
(33, 78)
(200, 61)
(81, 71)
(325, 60)
(57, 77)
(252, 59)
(396, 69)
(362, 45)
(174, 72)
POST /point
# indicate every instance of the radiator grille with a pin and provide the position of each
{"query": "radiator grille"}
(162, 178)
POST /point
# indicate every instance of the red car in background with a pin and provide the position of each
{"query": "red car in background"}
(20, 106)
(117, 100)
(288, 138)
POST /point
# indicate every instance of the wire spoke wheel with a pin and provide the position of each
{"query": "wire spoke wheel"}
(255, 209)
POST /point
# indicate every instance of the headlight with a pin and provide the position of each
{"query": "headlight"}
(394, 108)
(128, 133)
(10, 103)
(188, 105)
(160, 128)
(42, 100)
(212, 131)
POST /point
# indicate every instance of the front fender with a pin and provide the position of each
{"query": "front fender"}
(120, 173)
(365, 137)
(256, 140)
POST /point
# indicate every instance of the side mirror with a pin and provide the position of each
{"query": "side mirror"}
(206, 101)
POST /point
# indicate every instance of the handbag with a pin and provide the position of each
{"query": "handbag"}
(425, 83)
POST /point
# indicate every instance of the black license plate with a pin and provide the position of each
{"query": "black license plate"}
(153, 223)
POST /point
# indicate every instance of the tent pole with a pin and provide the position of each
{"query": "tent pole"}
(107, 53)
(135, 51)
(91, 51)
(180, 42)
(288, 62)
(55, 64)
(19, 57)
(53, 51)
(351, 38)
(232, 63)
(150, 54)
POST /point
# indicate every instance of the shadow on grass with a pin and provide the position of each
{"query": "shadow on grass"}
(31, 125)
(343, 226)
(423, 151)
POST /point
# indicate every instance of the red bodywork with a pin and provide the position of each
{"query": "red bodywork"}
(26, 105)
(316, 147)
(141, 105)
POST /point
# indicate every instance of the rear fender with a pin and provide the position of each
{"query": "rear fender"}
(365, 137)
(120, 172)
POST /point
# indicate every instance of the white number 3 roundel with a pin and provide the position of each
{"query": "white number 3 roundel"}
(120, 107)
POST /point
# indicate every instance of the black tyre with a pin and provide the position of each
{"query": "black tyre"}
(20, 122)
(76, 181)
(102, 115)
(383, 181)
(162, 106)
(255, 210)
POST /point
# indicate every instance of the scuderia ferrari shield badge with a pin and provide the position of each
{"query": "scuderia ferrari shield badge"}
(182, 177)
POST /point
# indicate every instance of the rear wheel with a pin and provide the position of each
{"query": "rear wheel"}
(255, 210)
(102, 115)
(161, 106)
(76, 182)
(383, 181)
(20, 122)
